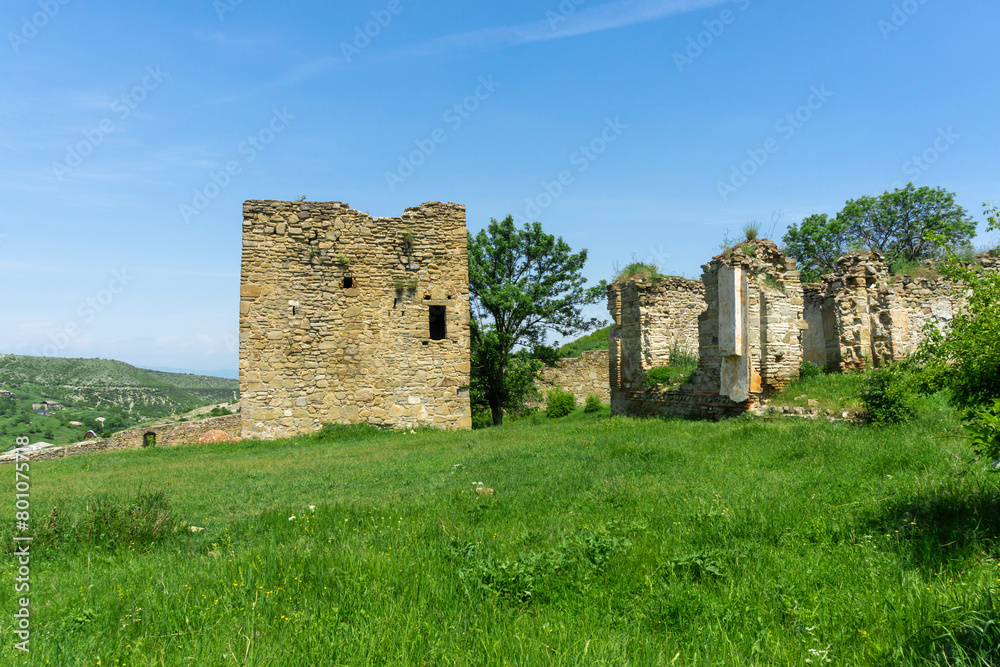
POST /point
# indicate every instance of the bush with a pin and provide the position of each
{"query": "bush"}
(481, 419)
(560, 403)
(809, 370)
(593, 403)
(888, 394)
(983, 430)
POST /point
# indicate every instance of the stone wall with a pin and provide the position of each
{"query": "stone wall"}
(649, 319)
(347, 318)
(861, 315)
(582, 376)
(749, 338)
(165, 435)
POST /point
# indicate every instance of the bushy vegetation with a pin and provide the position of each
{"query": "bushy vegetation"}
(675, 373)
(638, 271)
(809, 370)
(559, 403)
(780, 542)
(888, 395)
(592, 404)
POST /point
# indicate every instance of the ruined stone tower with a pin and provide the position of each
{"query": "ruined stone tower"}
(345, 318)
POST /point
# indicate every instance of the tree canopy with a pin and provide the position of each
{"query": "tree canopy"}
(523, 284)
(906, 225)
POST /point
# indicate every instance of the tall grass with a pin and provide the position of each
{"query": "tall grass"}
(609, 541)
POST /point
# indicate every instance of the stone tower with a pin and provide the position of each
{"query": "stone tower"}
(346, 318)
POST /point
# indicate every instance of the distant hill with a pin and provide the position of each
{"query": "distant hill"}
(595, 341)
(104, 384)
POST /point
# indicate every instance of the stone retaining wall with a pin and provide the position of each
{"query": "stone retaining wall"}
(166, 435)
(582, 376)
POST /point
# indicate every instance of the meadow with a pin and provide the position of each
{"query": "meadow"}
(608, 541)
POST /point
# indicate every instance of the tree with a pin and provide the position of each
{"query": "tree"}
(817, 245)
(908, 224)
(965, 358)
(523, 283)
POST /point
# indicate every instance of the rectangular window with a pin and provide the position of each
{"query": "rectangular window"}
(438, 322)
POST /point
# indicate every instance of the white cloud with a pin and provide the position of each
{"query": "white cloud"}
(595, 19)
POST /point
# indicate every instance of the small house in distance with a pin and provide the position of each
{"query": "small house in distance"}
(6, 394)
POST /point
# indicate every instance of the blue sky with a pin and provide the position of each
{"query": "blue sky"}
(133, 132)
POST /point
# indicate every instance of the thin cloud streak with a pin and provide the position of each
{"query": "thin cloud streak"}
(596, 19)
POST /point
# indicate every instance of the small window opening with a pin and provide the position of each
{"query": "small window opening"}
(293, 310)
(348, 282)
(149, 440)
(438, 324)
(427, 297)
(394, 302)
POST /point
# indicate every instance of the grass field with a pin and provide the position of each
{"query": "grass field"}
(608, 541)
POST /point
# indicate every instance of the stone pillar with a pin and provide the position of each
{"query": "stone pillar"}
(734, 333)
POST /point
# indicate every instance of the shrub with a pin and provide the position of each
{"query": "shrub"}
(481, 419)
(809, 370)
(983, 430)
(751, 230)
(593, 403)
(888, 395)
(560, 403)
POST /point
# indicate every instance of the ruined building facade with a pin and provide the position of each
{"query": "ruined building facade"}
(747, 327)
(346, 318)
(754, 323)
(861, 316)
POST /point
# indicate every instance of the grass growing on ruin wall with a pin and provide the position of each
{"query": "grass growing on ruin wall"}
(608, 541)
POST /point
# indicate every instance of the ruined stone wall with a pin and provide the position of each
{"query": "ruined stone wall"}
(166, 435)
(861, 315)
(341, 318)
(582, 376)
(749, 338)
(649, 320)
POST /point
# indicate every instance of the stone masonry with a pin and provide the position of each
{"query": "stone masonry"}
(861, 315)
(346, 318)
(749, 338)
(649, 320)
(582, 376)
(164, 435)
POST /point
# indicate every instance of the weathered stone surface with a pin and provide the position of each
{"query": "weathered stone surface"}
(337, 309)
(582, 376)
(167, 435)
(761, 331)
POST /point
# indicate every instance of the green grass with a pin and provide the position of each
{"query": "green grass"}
(608, 541)
(834, 391)
(597, 340)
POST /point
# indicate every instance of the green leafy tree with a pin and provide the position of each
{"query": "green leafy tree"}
(965, 358)
(523, 283)
(908, 224)
(817, 244)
